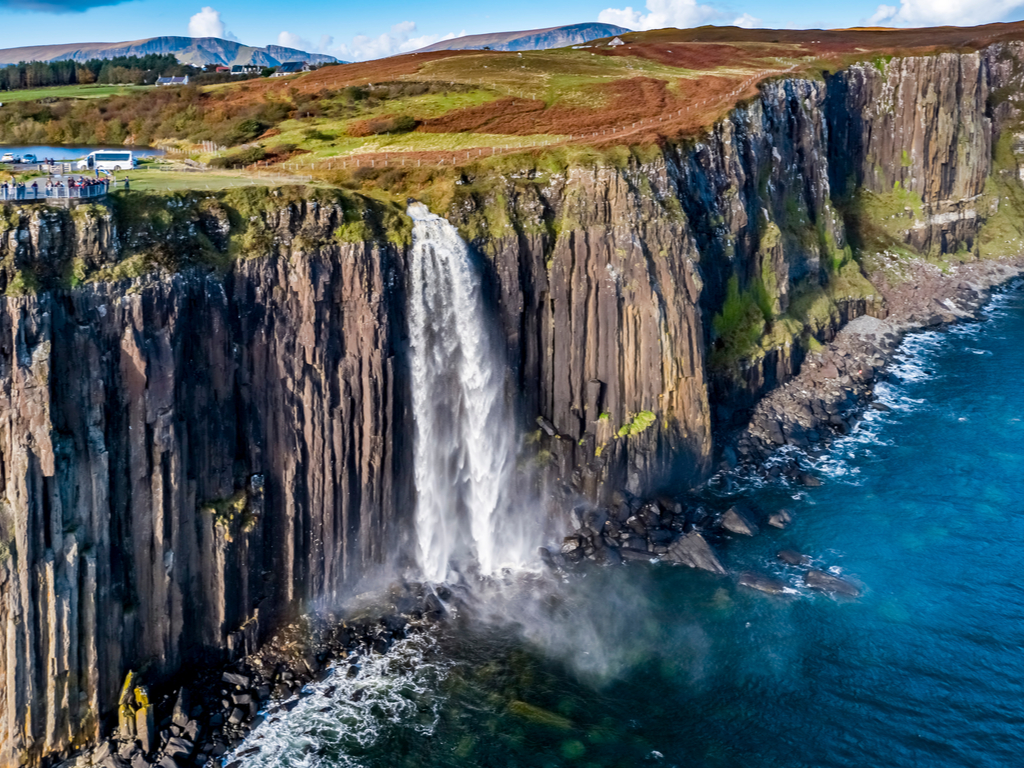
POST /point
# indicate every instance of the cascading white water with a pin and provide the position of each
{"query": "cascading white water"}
(465, 440)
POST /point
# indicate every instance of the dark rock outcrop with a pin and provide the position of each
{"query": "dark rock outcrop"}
(762, 583)
(826, 582)
(738, 519)
(694, 551)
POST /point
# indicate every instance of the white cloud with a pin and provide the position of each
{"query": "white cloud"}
(208, 23)
(924, 13)
(661, 13)
(746, 21)
(290, 40)
(399, 40)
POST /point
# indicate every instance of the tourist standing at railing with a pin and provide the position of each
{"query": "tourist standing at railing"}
(35, 189)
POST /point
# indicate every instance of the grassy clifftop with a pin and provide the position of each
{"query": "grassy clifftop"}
(445, 106)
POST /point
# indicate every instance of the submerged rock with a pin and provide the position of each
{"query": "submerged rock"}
(780, 519)
(792, 557)
(739, 520)
(693, 550)
(826, 582)
(762, 582)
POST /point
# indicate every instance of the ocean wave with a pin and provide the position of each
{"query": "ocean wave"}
(362, 703)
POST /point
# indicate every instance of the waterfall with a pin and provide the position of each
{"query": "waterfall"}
(465, 436)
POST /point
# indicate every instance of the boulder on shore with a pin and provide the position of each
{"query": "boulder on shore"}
(826, 582)
(792, 557)
(739, 520)
(761, 582)
(693, 550)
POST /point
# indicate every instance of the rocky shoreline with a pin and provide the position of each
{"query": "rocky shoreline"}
(835, 385)
(822, 402)
(199, 724)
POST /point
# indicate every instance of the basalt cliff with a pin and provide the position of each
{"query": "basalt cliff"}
(204, 399)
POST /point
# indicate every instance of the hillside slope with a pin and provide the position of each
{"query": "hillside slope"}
(530, 39)
(197, 51)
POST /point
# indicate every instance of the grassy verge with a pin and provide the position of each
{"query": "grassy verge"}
(71, 92)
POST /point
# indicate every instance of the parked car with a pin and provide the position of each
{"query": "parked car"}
(7, 158)
(29, 159)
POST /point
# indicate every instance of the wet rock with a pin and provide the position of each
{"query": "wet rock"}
(780, 519)
(826, 582)
(145, 728)
(179, 747)
(182, 708)
(139, 761)
(761, 582)
(102, 751)
(693, 550)
(792, 557)
(636, 554)
(234, 678)
(570, 544)
(739, 519)
(237, 716)
(661, 536)
(807, 479)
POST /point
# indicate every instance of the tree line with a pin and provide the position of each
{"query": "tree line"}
(136, 70)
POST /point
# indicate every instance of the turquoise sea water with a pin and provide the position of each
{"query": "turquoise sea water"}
(923, 506)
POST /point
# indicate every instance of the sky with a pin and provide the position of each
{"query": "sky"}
(356, 31)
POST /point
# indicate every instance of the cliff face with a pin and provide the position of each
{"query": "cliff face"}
(181, 460)
(187, 457)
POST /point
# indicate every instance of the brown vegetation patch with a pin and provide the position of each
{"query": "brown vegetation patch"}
(626, 104)
(626, 101)
(704, 56)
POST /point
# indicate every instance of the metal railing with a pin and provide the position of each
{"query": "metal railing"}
(29, 193)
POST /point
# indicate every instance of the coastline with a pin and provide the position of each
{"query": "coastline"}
(824, 401)
(835, 385)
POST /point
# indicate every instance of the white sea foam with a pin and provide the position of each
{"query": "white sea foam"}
(338, 720)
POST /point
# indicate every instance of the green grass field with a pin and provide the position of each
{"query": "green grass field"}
(152, 180)
(70, 92)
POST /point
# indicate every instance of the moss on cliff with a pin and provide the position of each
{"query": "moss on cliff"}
(232, 515)
(175, 231)
(741, 323)
(1002, 233)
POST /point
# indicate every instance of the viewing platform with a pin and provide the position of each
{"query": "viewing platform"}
(55, 194)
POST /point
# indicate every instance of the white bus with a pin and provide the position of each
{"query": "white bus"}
(107, 160)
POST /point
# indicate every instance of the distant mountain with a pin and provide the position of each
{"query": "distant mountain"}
(197, 51)
(530, 39)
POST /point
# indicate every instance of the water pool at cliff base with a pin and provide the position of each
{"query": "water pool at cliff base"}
(923, 506)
